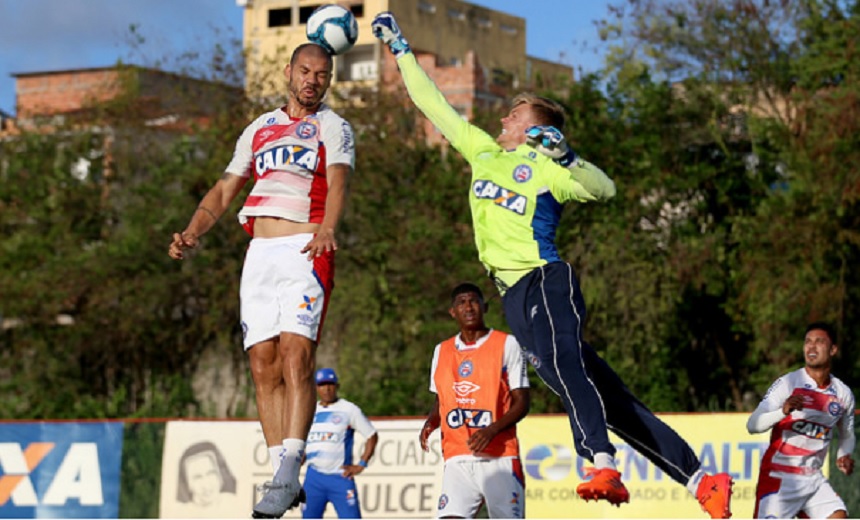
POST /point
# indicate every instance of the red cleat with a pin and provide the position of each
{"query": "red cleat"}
(715, 495)
(603, 484)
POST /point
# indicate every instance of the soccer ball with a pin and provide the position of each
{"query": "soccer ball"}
(333, 28)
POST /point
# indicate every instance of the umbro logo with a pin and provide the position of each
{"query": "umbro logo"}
(464, 388)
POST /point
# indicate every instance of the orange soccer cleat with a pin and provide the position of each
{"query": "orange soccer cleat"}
(603, 484)
(715, 495)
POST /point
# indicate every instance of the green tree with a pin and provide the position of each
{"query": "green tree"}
(765, 87)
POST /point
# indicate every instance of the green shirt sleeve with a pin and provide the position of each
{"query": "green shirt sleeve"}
(468, 139)
(565, 187)
(592, 178)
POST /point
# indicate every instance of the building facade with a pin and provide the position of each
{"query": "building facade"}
(478, 54)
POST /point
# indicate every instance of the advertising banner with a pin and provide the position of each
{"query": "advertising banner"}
(214, 470)
(60, 470)
(402, 481)
(210, 469)
(553, 469)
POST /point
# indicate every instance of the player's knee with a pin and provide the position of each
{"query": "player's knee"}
(265, 370)
(298, 353)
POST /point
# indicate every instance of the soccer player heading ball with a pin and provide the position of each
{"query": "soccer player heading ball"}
(300, 156)
(520, 181)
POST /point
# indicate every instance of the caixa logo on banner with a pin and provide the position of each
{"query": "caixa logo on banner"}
(60, 470)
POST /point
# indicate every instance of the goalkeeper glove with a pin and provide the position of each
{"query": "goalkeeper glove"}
(549, 141)
(385, 28)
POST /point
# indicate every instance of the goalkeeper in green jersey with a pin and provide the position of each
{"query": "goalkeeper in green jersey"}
(520, 182)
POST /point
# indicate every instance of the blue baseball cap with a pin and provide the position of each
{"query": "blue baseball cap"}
(325, 376)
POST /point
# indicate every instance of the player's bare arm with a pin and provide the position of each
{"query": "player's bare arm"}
(430, 425)
(520, 403)
(324, 240)
(351, 470)
(214, 204)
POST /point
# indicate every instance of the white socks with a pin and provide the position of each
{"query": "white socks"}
(604, 461)
(291, 454)
(275, 457)
(693, 483)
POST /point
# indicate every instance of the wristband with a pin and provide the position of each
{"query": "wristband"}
(567, 159)
(362, 463)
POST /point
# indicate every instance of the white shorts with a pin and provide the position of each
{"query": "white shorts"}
(283, 291)
(466, 482)
(783, 495)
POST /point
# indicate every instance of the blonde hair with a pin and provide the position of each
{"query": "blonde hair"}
(545, 110)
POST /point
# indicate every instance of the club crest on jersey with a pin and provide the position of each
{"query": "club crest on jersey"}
(281, 156)
(443, 501)
(522, 173)
(465, 368)
(834, 408)
(271, 121)
(306, 130)
(504, 198)
(533, 359)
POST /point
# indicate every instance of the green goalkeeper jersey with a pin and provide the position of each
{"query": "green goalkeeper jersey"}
(516, 196)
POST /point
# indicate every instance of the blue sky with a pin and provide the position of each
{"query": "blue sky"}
(40, 35)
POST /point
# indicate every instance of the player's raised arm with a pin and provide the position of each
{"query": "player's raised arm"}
(466, 138)
(549, 141)
(773, 407)
(210, 209)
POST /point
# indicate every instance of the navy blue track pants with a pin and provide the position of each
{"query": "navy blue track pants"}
(546, 312)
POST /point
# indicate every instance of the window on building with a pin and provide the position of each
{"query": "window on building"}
(456, 14)
(306, 12)
(484, 23)
(280, 17)
(509, 29)
(357, 65)
(502, 78)
(426, 7)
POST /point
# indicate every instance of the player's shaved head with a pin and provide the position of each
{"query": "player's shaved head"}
(311, 50)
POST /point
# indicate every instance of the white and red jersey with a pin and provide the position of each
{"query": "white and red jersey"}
(799, 441)
(288, 158)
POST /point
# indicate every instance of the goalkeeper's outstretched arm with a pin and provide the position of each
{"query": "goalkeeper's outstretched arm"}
(466, 138)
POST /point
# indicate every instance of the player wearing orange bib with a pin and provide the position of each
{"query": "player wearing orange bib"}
(481, 388)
